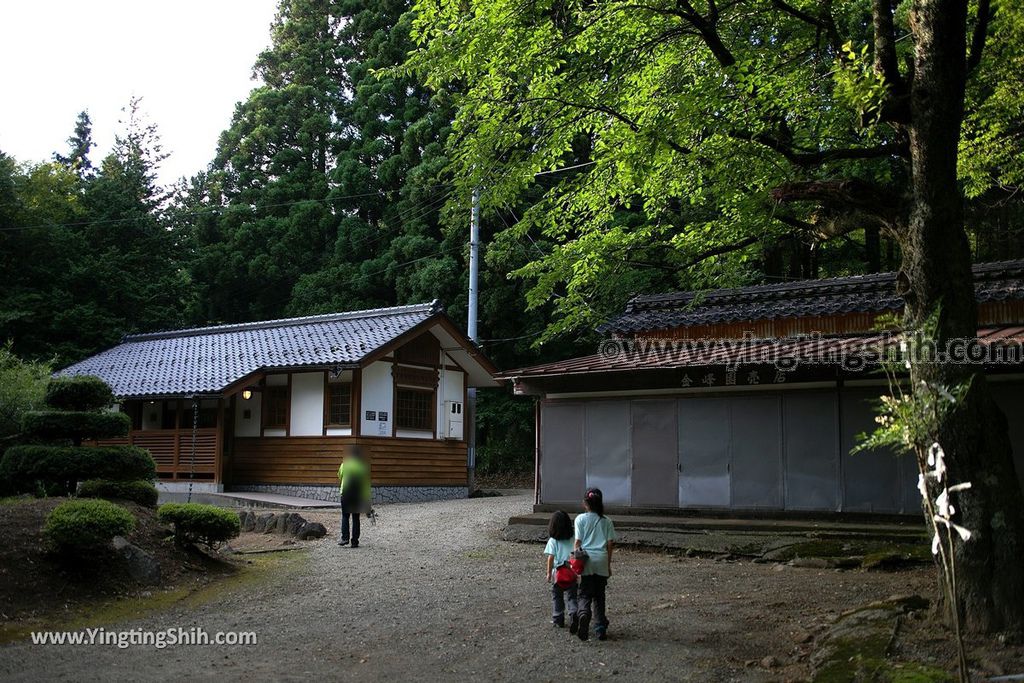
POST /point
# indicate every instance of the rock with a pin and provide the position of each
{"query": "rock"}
(293, 524)
(802, 637)
(247, 520)
(262, 521)
(810, 562)
(770, 662)
(142, 566)
(311, 530)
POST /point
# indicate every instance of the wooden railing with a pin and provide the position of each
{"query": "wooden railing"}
(172, 451)
(315, 460)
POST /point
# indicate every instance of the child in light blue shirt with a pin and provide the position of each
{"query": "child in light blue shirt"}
(594, 534)
(557, 551)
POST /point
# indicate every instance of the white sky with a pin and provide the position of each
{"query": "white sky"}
(190, 61)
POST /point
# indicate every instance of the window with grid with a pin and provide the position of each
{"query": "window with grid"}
(276, 414)
(414, 408)
(339, 404)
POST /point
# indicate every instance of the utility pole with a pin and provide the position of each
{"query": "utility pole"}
(474, 294)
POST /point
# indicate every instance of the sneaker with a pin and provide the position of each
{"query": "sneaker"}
(558, 622)
(601, 635)
(343, 541)
(574, 624)
(584, 627)
(355, 544)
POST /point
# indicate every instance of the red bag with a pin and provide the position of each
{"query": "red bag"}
(565, 576)
(578, 560)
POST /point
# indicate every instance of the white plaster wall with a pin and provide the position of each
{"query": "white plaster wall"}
(377, 395)
(307, 416)
(250, 426)
(339, 431)
(453, 390)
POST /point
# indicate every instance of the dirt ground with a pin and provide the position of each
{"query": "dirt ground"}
(34, 582)
(434, 594)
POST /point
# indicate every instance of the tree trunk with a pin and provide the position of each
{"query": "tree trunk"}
(936, 275)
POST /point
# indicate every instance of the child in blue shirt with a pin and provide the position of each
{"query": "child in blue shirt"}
(557, 552)
(594, 534)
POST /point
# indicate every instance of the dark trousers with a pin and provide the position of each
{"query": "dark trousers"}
(592, 588)
(562, 598)
(348, 511)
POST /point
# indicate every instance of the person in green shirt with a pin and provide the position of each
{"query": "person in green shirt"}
(356, 495)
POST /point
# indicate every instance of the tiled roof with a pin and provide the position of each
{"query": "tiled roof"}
(629, 356)
(855, 294)
(209, 359)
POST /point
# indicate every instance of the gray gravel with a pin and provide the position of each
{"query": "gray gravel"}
(434, 594)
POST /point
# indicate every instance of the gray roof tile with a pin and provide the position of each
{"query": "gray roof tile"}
(998, 281)
(206, 360)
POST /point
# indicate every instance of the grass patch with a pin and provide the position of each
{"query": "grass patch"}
(260, 569)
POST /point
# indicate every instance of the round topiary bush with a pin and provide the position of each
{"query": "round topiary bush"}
(60, 424)
(197, 523)
(141, 492)
(59, 468)
(81, 525)
(84, 392)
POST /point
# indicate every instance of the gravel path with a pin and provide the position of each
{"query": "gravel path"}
(433, 594)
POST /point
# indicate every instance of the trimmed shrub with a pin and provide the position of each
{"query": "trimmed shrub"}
(197, 523)
(62, 467)
(83, 392)
(141, 492)
(59, 424)
(81, 525)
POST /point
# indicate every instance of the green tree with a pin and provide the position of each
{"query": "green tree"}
(388, 184)
(22, 389)
(728, 128)
(40, 213)
(270, 178)
(133, 280)
(79, 145)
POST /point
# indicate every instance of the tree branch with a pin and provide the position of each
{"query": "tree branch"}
(825, 22)
(885, 44)
(843, 196)
(807, 158)
(985, 14)
(721, 249)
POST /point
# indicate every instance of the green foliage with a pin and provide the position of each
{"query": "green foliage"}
(79, 526)
(197, 523)
(87, 254)
(505, 430)
(81, 392)
(690, 145)
(58, 469)
(139, 491)
(61, 424)
(22, 388)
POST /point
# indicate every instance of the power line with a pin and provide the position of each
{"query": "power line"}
(205, 211)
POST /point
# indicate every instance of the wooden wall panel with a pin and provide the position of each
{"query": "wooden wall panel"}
(315, 460)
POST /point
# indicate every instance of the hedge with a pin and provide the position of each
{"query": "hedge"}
(80, 525)
(141, 492)
(83, 392)
(197, 523)
(59, 424)
(27, 466)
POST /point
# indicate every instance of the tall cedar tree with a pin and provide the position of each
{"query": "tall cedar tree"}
(270, 181)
